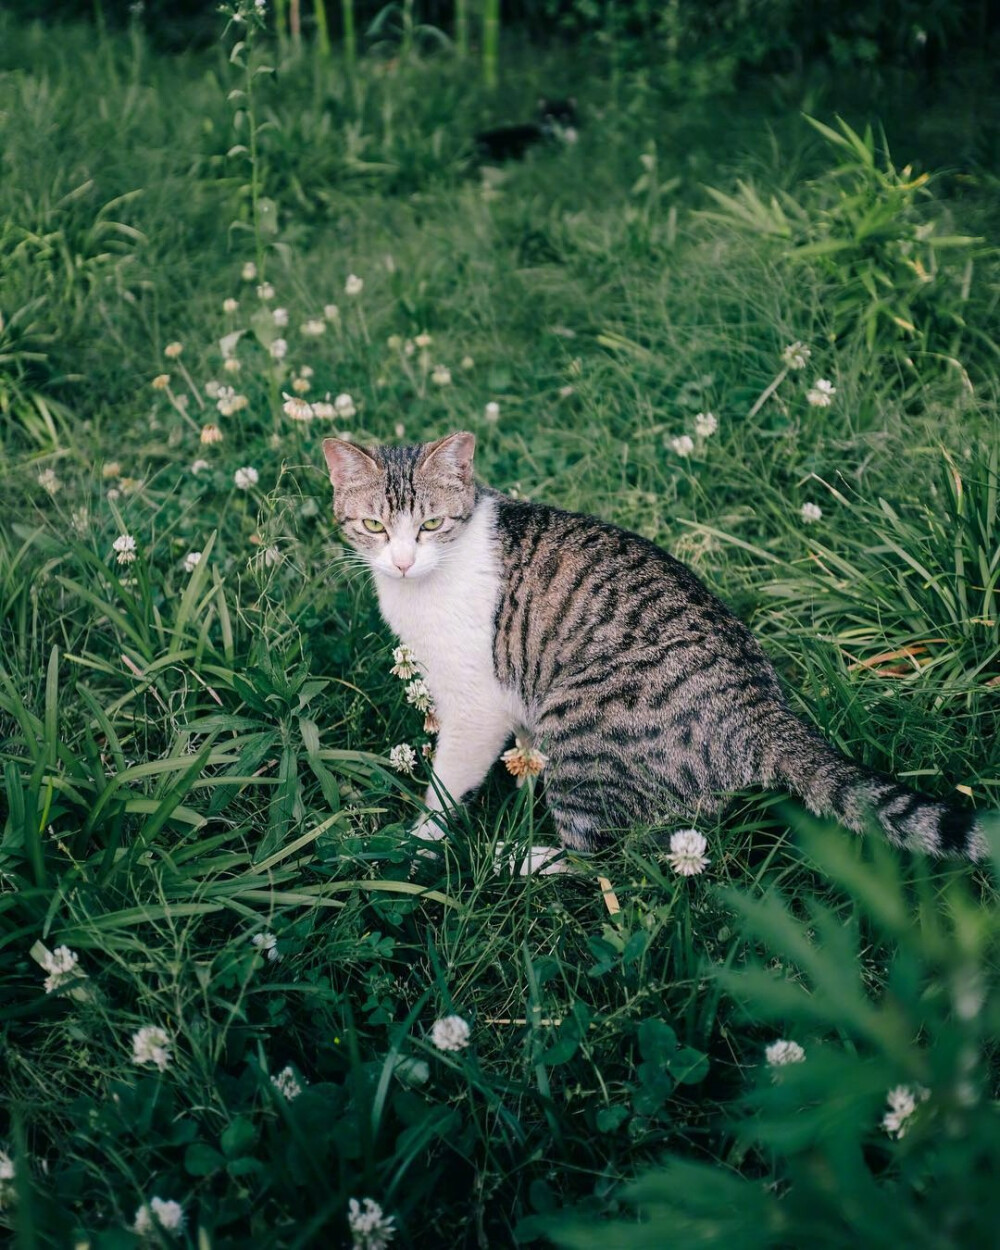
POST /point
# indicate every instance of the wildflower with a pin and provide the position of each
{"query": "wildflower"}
(79, 519)
(782, 1052)
(344, 406)
(297, 409)
(313, 328)
(450, 1033)
(492, 411)
(280, 317)
(468, 363)
(404, 663)
(810, 512)
(169, 1215)
(47, 480)
(441, 375)
(821, 394)
(210, 434)
(160, 382)
(278, 349)
(245, 478)
(231, 365)
(306, 371)
(403, 758)
(523, 760)
(124, 547)
(191, 561)
(267, 945)
(399, 429)
(152, 1044)
(796, 355)
(565, 392)
(198, 466)
(61, 965)
(423, 340)
(394, 343)
(272, 556)
(902, 1105)
(287, 1084)
(113, 494)
(249, 271)
(212, 388)
(687, 852)
(8, 1171)
(431, 723)
(111, 468)
(418, 695)
(324, 410)
(409, 347)
(173, 350)
(705, 424)
(265, 291)
(229, 402)
(354, 285)
(331, 312)
(229, 306)
(683, 444)
(370, 1228)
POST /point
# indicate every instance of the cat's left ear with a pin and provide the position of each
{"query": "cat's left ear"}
(349, 464)
(451, 456)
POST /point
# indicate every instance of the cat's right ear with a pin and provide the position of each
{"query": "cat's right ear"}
(349, 465)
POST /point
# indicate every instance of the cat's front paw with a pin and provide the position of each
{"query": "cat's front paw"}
(429, 828)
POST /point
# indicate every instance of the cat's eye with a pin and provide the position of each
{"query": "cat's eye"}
(372, 525)
(433, 523)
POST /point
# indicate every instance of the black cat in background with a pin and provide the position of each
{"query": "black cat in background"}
(557, 123)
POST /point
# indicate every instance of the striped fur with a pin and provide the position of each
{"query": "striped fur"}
(648, 696)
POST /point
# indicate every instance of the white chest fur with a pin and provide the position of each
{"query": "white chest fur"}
(446, 618)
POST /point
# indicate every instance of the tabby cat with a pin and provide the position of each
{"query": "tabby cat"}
(646, 694)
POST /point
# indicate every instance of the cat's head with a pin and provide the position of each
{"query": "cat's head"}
(401, 507)
(559, 118)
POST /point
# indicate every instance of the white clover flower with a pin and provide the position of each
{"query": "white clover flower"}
(48, 481)
(313, 328)
(287, 1084)
(280, 317)
(199, 466)
(821, 394)
(903, 1101)
(230, 364)
(331, 312)
(683, 444)
(467, 363)
(8, 1171)
(246, 477)
(782, 1052)
(191, 561)
(124, 546)
(210, 434)
(370, 1228)
(687, 852)
(278, 349)
(152, 1045)
(418, 695)
(354, 285)
(272, 556)
(160, 382)
(169, 1215)
(267, 945)
(796, 355)
(265, 291)
(450, 1033)
(810, 512)
(705, 424)
(492, 411)
(297, 409)
(441, 375)
(249, 271)
(61, 965)
(301, 385)
(423, 340)
(524, 760)
(324, 410)
(229, 306)
(173, 350)
(344, 406)
(404, 663)
(403, 758)
(213, 388)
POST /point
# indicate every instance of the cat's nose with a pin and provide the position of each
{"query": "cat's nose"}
(403, 563)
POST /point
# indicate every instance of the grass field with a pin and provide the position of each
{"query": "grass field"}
(197, 707)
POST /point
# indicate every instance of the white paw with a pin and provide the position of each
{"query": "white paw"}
(543, 860)
(428, 828)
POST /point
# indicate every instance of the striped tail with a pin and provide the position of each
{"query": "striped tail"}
(831, 785)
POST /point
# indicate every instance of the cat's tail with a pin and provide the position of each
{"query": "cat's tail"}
(832, 785)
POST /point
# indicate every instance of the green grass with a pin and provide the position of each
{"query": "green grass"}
(191, 759)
